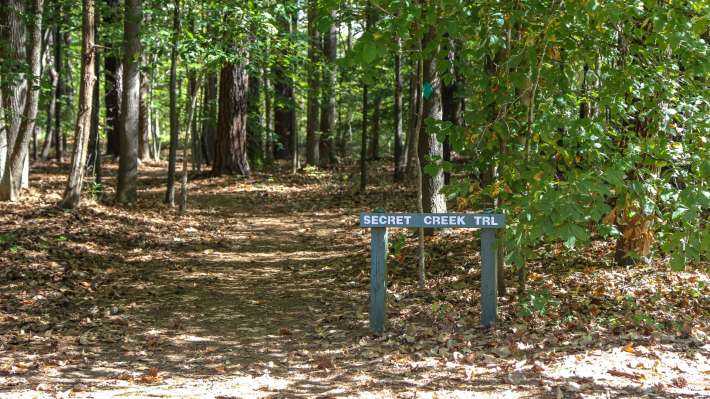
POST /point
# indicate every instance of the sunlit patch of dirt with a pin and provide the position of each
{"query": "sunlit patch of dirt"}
(261, 290)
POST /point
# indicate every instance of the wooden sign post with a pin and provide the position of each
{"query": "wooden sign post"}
(379, 222)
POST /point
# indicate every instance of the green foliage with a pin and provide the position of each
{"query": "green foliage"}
(536, 303)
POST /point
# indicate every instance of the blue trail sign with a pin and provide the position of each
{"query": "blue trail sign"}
(379, 222)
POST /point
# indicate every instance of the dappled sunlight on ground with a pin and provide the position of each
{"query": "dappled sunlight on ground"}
(261, 290)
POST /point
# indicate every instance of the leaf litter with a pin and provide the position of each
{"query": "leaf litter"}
(260, 290)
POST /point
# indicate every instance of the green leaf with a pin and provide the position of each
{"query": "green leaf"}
(677, 261)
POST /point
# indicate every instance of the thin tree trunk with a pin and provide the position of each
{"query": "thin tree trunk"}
(59, 67)
(295, 156)
(231, 150)
(209, 119)
(328, 100)
(254, 124)
(312, 117)
(143, 117)
(399, 157)
(18, 157)
(94, 150)
(363, 142)
(51, 104)
(174, 122)
(284, 102)
(451, 104)
(416, 166)
(72, 193)
(375, 130)
(415, 98)
(113, 90)
(268, 115)
(190, 118)
(126, 192)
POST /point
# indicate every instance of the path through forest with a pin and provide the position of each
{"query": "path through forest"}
(260, 290)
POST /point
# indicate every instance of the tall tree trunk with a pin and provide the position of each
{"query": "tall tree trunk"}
(143, 117)
(363, 142)
(3, 134)
(254, 124)
(190, 118)
(429, 146)
(451, 103)
(415, 100)
(295, 156)
(14, 85)
(51, 104)
(399, 156)
(347, 138)
(209, 117)
(174, 121)
(59, 93)
(18, 156)
(72, 193)
(126, 193)
(231, 150)
(113, 90)
(268, 115)
(375, 129)
(314, 50)
(94, 151)
(328, 100)
(284, 103)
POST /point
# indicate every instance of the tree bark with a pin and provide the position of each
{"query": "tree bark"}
(429, 145)
(399, 156)
(144, 117)
(284, 105)
(254, 125)
(209, 117)
(59, 94)
(126, 192)
(375, 129)
(415, 104)
(231, 150)
(314, 50)
(268, 115)
(114, 85)
(363, 142)
(93, 157)
(14, 84)
(328, 100)
(174, 121)
(72, 193)
(17, 160)
(51, 104)
(451, 104)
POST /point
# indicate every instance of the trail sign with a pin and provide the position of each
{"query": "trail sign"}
(380, 221)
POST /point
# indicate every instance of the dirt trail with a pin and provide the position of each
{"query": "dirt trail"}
(260, 290)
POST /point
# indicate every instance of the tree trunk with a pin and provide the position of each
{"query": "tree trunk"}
(268, 115)
(17, 159)
(174, 121)
(51, 104)
(254, 125)
(363, 142)
(231, 152)
(283, 104)
(314, 50)
(94, 151)
(14, 85)
(328, 100)
(72, 193)
(3, 134)
(144, 117)
(397, 117)
(114, 85)
(126, 193)
(451, 104)
(415, 97)
(375, 130)
(209, 117)
(59, 94)
(429, 145)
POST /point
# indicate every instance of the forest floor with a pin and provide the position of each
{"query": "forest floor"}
(261, 288)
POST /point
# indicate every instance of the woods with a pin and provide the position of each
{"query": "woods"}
(585, 123)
